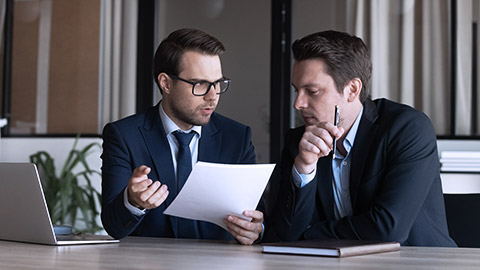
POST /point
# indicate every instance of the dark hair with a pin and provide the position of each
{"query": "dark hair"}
(345, 57)
(171, 49)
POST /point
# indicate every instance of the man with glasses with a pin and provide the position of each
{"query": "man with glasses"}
(148, 156)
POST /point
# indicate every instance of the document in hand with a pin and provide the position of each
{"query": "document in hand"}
(331, 248)
(214, 191)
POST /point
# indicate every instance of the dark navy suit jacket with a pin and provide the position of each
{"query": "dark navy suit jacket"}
(141, 140)
(395, 185)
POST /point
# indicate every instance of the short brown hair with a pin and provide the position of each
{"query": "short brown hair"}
(171, 49)
(345, 57)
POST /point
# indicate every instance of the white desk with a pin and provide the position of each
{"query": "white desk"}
(158, 253)
(460, 183)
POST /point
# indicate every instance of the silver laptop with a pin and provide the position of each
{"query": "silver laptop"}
(24, 213)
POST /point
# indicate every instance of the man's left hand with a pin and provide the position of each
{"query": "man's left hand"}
(246, 232)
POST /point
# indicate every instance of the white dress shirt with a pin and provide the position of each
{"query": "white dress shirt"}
(169, 126)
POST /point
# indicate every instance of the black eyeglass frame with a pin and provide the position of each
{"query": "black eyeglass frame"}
(224, 79)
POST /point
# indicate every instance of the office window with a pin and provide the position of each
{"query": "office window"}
(55, 67)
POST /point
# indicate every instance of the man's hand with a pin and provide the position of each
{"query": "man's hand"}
(316, 142)
(246, 232)
(143, 192)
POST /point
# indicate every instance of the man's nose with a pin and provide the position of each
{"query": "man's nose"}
(212, 93)
(300, 101)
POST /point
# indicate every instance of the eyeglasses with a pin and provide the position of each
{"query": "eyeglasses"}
(201, 88)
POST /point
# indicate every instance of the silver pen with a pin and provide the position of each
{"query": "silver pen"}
(335, 123)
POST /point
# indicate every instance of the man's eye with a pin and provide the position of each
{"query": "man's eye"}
(202, 85)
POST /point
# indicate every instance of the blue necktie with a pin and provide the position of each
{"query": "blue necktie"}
(184, 157)
(187, 228)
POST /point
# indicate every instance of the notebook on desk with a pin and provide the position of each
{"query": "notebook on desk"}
(331, 247)
(24, 213)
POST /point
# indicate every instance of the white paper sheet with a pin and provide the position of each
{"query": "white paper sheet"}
(214, 191)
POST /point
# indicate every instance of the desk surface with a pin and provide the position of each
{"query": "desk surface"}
(150, 253)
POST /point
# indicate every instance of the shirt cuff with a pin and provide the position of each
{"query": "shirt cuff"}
(260, 237)
(301, 180)
(134, 210)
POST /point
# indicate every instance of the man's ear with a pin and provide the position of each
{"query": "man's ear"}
(165, 82)
(352, 89)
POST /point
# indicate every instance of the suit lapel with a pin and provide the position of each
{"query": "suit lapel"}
(210, 142)
(324, 185)
(156, 140)
(157, 144)
(363, 141)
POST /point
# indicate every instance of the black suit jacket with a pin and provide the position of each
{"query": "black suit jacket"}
(141, 140)
(395, 185)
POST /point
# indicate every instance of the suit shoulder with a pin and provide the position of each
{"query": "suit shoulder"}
(393, 112)
(131, 121)
(401, 118)
(126, 123)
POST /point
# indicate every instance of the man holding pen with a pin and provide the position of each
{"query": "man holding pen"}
(382, 183)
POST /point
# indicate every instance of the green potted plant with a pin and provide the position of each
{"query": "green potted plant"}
(65, 196)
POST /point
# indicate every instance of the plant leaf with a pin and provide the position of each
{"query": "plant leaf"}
(65, 197)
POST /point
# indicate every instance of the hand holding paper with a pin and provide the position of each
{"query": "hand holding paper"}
(246, 232)
(214, 191)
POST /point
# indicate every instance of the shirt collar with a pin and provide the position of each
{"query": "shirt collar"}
(170, 126)
(350, 138)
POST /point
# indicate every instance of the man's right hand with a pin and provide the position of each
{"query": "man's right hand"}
(143, 192)
(316, 142)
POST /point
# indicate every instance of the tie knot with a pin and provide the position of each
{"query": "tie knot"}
(183, 138)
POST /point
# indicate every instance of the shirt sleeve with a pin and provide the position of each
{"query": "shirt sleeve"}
(301, 180)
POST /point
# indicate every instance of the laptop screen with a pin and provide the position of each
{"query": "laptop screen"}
(23, 208)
